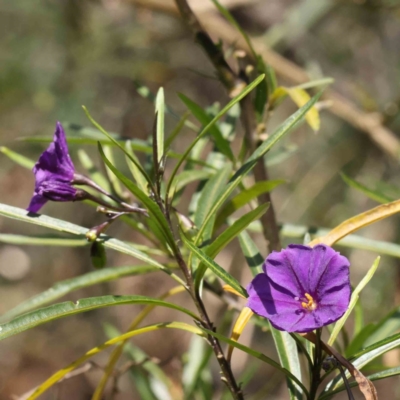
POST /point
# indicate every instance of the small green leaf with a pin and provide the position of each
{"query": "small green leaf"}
(222, 144)
(214, 267)
(372, 194)
(115, 183)
(210, 193)
(117, 143)
(17, 158)
(61, 310)
(189, 176)
(253, 256)
(135, 171)
(235, 229)
(244, 197)
(160, 110)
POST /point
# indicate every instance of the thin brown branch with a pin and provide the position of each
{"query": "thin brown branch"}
(369, 123)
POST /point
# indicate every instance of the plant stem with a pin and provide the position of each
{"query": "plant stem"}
(316, 370)
(268, 220)
(226, 370)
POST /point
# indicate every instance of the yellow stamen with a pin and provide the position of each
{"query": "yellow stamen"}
(311, 305)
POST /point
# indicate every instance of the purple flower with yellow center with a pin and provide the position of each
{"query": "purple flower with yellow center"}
(302, 288)
(54, 174)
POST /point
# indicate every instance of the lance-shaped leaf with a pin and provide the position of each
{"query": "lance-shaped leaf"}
(221, 143)
(359, 221)
(372, 194)
(67, 227)
(62, 288)
(61, 310)
(218, 270)
(17, 158)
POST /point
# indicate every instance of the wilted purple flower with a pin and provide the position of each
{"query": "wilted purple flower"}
(54, 173)
(302, 288)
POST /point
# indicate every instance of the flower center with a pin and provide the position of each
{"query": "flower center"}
(311, 305)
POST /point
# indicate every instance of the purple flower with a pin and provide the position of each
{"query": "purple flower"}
(54, 173)
(302, 288)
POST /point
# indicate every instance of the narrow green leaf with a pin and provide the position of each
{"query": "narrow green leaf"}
(160, 110)
(235, 229)
(375, 332)
(210, 193)
(358, 341)
(205, 130)
(198, 356)
(115, 183)
(148, 203)
(253, 256)
(146, 93)
(214, 267)
(244, 197)
(61, 310)
(222, 144)
(176, 131)
(372, 194)
(117, 143)
(63, 226)
(135, 171)
(289, 358)
(62, 288)
(17, 158)
(188, 176)
(354, 298)
(43, 240)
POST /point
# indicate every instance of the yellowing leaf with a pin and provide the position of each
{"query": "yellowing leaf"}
(357, 222)
(301, 97)
(240, 324)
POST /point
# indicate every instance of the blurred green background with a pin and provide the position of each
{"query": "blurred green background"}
(58, 55)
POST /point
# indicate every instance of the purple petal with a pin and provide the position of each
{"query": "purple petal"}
(267, 299)
(55, 162)
(36, 203)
